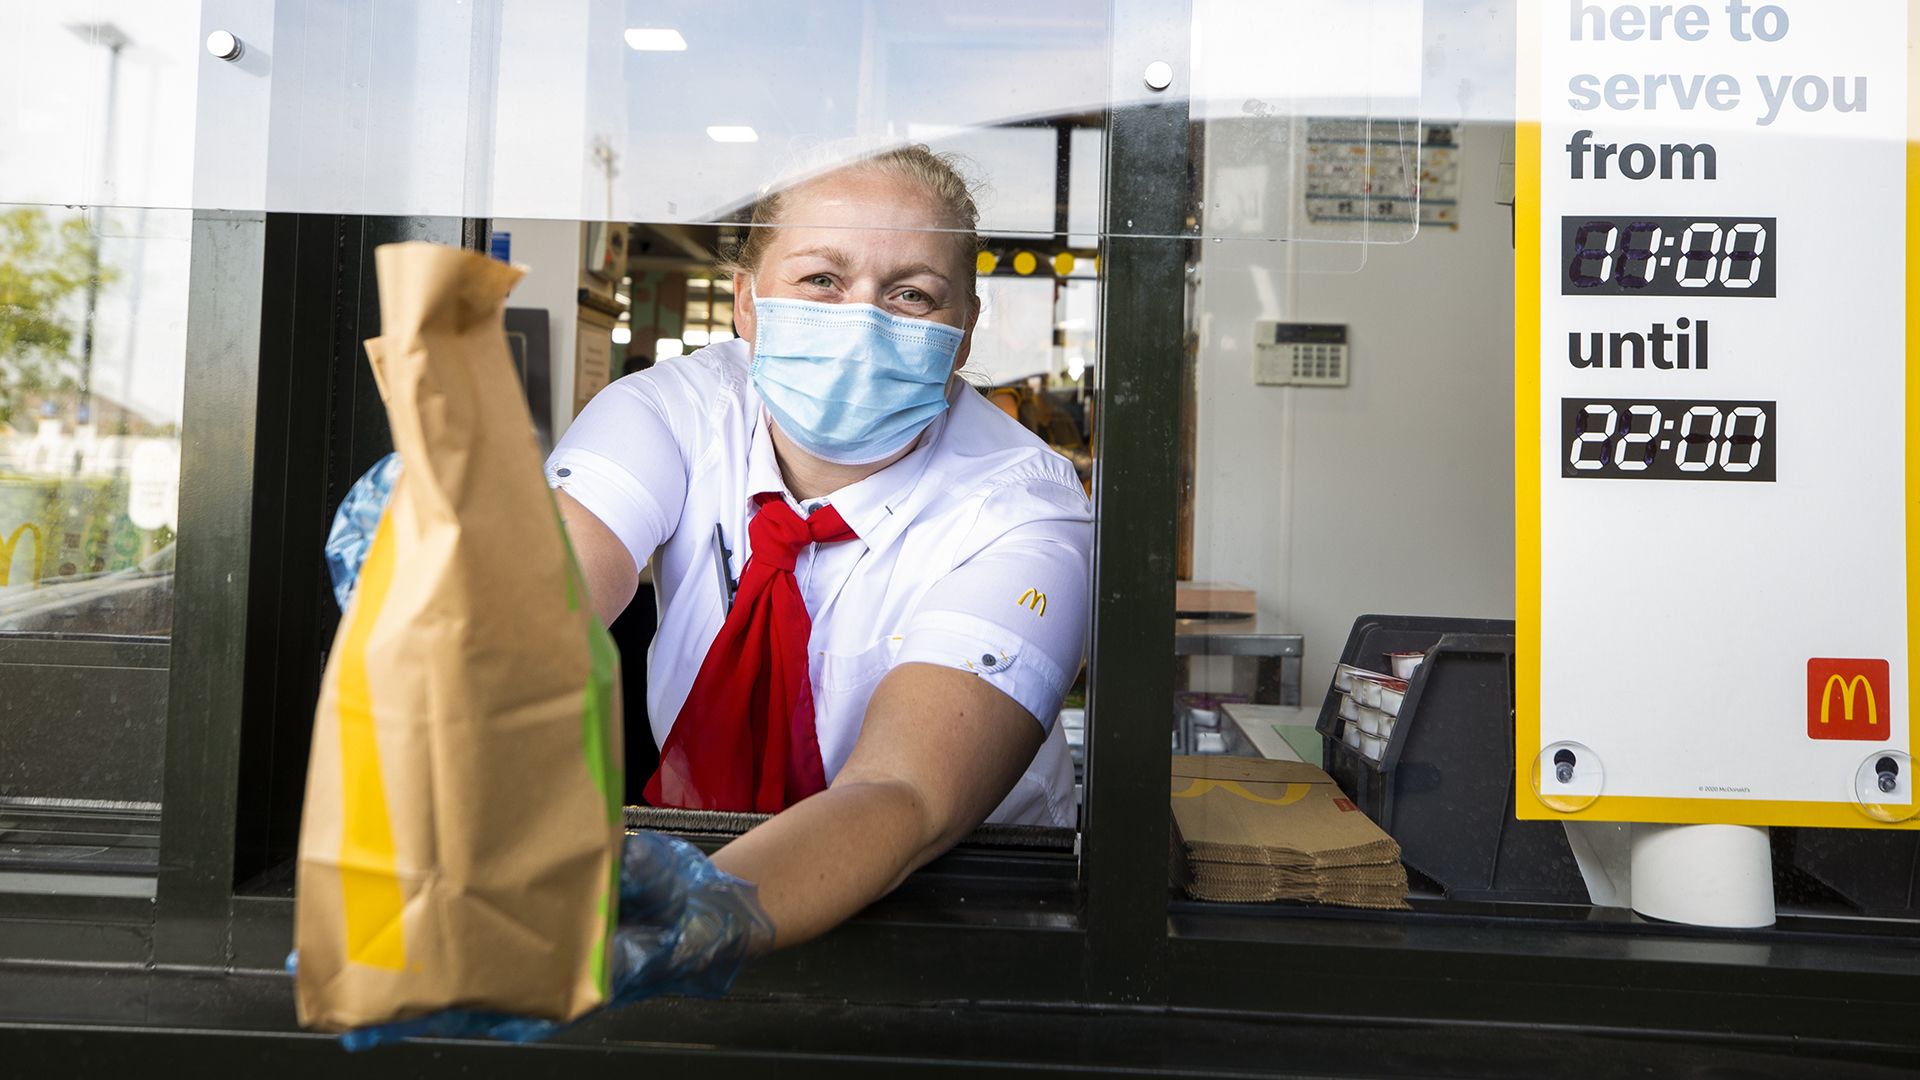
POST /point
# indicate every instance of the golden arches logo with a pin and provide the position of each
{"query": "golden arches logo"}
(1293, 794)
(1034, 600)
(1848, 687)
(6, 553)
(1825, 675)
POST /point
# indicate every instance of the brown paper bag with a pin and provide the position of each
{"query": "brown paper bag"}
(461, 839)
(1248, 829)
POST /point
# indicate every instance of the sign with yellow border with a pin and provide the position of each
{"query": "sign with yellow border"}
(1715, 451)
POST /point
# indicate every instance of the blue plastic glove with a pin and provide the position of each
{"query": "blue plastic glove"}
(354, 523)
(685, 927)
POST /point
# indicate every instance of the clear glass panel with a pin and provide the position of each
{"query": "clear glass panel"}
(685, 113)
(1353, 434)
(100, 108)
(92, 366)
(99, 104)
(1310, 116)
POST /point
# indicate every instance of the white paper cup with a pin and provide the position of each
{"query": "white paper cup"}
(1374, 746)
(1349, 708)
(1353, 735)
(1706, 875)
(1391, 695)
(1204, 718)
(1366, 692)
(1404, 664)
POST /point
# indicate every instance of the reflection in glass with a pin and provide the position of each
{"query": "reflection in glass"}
(90, 374)
(92, 347)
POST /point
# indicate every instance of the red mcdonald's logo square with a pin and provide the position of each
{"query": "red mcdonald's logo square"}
(1848, 699)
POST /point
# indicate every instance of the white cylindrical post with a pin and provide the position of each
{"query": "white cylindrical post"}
(1706, 875)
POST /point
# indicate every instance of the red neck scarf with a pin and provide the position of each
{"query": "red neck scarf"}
(745, 739)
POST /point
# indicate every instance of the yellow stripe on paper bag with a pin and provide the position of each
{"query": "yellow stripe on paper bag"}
(369, 878)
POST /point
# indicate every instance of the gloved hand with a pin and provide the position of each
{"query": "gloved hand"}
(354, 523)
(685, 927)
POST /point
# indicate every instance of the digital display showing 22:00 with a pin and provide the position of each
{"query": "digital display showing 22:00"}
(1667, 256)
(1641, 439)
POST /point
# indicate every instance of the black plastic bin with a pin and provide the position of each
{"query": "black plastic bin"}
(1875, 871)
(1444, 786)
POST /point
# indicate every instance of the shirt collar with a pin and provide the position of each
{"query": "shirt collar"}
(876, 508)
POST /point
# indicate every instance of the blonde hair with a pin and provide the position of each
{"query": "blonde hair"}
(939, 175)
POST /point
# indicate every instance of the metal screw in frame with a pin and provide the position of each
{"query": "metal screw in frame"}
(1159, 75)
(1568, 777)
(222, 45)
(1883, 787)
(1888, 772)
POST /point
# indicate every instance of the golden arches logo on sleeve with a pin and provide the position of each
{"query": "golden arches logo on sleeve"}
(6, 553)
(1293, 793)
(1034, 600)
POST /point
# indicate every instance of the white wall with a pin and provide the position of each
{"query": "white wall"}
(1393, 494)
(551, 251)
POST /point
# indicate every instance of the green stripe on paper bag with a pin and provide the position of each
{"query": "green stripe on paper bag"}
(596, 741)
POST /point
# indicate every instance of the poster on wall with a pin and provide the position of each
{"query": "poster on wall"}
(593, 356)
(1715, 452)
(1362, 170)
(1440, 176)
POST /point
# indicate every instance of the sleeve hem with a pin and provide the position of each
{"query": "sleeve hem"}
(1023, 670)
(613, 495)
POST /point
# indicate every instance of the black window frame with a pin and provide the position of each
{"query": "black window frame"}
(275, 299)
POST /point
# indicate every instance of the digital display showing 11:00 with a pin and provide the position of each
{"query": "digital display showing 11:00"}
(1667, 256)
(1667, 439)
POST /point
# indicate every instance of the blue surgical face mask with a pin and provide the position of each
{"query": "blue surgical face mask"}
(849, 383)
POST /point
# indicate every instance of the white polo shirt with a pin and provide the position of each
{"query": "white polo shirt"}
(974, 551)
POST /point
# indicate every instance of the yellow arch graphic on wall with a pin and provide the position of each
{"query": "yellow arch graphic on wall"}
(6, 553)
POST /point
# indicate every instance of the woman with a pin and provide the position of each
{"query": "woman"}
(941, 551)
(873, 583)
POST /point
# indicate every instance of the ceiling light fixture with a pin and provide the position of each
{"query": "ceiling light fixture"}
(655, 39)
(732, 133)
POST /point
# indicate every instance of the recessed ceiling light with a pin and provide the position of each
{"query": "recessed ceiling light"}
(740, 133)
(656, 39)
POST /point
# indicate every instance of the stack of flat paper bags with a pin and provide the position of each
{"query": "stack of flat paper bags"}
(1249, 829)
